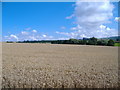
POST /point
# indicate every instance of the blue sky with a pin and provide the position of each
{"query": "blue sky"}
(58, 20)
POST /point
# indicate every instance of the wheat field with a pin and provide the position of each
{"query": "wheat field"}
(27, 65)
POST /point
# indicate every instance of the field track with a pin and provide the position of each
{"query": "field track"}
(55, 66)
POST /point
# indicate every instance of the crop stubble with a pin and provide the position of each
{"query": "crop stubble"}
(55, 66)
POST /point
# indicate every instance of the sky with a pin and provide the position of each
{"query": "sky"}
(58, 20)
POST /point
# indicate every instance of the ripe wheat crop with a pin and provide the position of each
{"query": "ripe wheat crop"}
(59, 66)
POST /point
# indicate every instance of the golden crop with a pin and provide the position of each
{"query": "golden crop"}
(56, 66)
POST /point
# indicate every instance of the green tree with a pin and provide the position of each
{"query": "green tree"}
(111, 42)
(80, 41)
(74, 41)
(84, 42)
(92, 41)
(102, 42)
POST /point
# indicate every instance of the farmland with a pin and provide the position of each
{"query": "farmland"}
(27, 65)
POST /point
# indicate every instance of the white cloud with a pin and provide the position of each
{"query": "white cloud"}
(44, 35)
(63, 33)
(83, 36)
(90, 15)
(63, 38)
(78, 27)
(103, 31)
(70, 35)
(32, 38)
(69, 17)
(34, 31)
(108, 28)
(27, 35)
(14, 37)
(73, 28)
(117, 19)
(24, 33)
(102, 26)
(90, 19)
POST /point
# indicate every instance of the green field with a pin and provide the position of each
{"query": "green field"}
(117, 44)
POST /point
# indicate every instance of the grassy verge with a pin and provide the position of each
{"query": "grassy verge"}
(117, 44)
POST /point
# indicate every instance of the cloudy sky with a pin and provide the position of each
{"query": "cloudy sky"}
(59, 20)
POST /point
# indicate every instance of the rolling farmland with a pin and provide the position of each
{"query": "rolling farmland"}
(27, 65)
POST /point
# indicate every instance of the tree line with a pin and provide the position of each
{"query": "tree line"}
(84, 41)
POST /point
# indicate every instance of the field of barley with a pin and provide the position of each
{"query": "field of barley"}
(28, 65)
